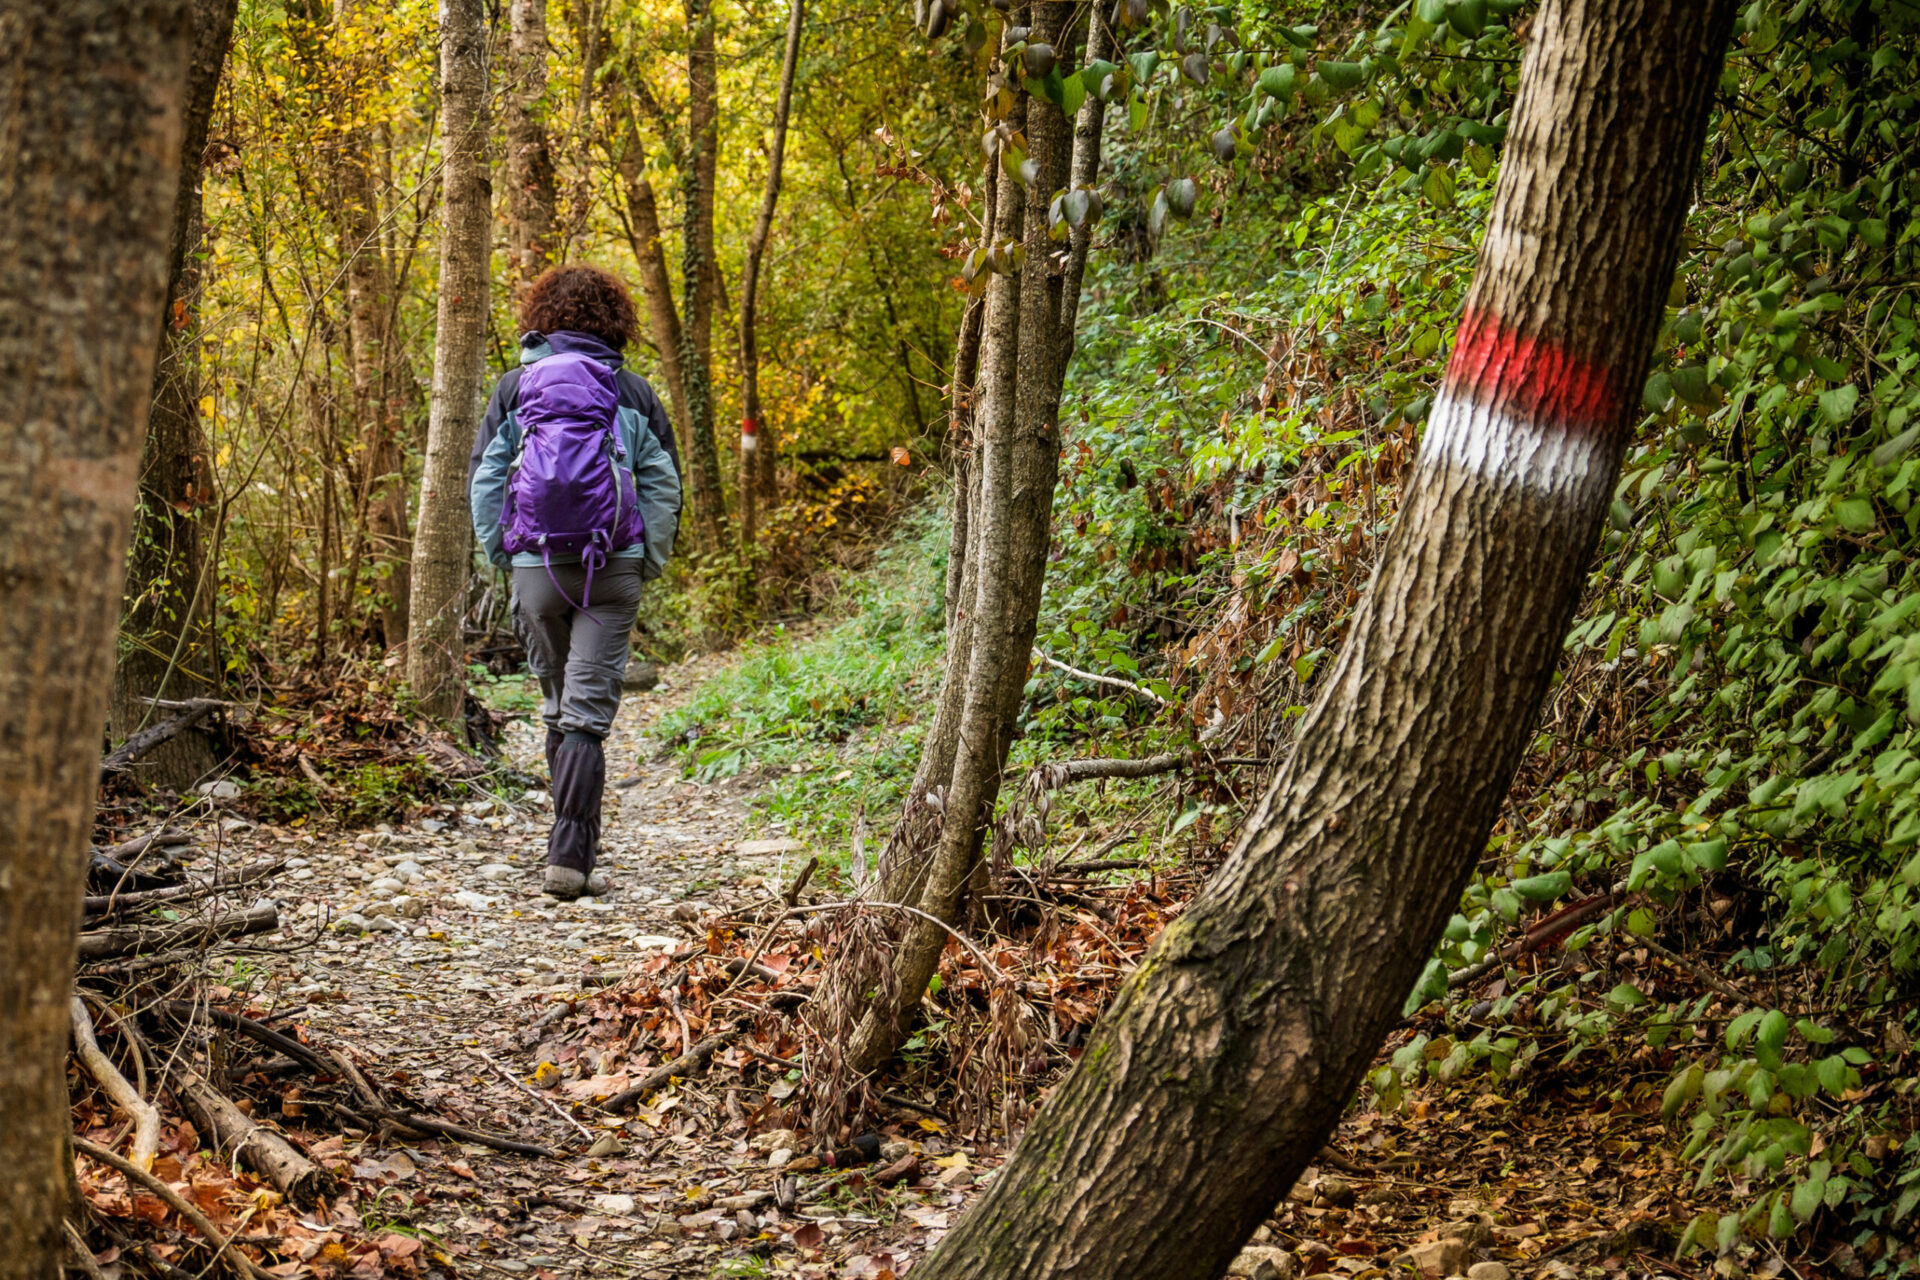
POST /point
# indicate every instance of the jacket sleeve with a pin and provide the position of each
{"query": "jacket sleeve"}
(656, 487)
(493, 449)
(654, 413)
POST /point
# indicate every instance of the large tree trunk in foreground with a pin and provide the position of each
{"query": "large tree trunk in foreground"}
(1027, 338)
(530, 181)
(755, 439)
(91, 107)
(442, 547)
(698, 277)
(1230, 1053)
(164, 650)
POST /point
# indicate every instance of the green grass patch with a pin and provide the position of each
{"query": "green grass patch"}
(836, 721)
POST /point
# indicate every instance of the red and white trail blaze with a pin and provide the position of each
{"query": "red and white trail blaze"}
(1517, 410)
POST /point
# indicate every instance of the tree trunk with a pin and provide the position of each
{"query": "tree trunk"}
(378, 362)
(1248, 1026)
(92, 98)
(643, 233)
(163, 638)
(1023, 359)
(530, 180)
(752, 441)
(698, 279)
(442, 549)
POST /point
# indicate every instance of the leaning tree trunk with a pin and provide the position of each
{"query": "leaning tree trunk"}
(91, 116)
(698, 278)
(163, 644)
(1249, 1025)
(753, 438)
(530, 180)
(442, 546)
(1026, 340)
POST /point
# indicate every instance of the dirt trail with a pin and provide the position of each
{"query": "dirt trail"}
(461, 953)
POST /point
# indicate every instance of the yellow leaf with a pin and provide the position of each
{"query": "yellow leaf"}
(206, 406)
(932, 1126)
(546, 1075)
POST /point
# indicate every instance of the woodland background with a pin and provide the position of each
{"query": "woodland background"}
(1703, 898)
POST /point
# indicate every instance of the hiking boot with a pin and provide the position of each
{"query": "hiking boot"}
(564, 883)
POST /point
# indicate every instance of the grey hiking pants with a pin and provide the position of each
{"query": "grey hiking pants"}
(579, 656)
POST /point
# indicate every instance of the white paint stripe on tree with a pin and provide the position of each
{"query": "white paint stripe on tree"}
(1510, 449)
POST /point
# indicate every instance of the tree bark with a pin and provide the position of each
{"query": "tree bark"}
(656, 282)
(442, 549)
(92, 98)
(1248, 1026)
(378, 362)
(1023, 358)
(163, 629)
(698, 278)
(530, 180)
(753, 437)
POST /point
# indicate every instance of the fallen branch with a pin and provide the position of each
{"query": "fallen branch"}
(102, 944)
(144, 1115)
(126, 850)
(268, 1154)
(224, 1251)
(1112, 681)
(379, 1110)
(192, 711)
(1543, 932)
(109, 903)
(82, 1254)
(686, 1064)
(511, 1079)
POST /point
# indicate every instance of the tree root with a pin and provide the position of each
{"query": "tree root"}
(143, 1114)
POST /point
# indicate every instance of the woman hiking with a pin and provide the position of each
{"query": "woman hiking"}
(575, 484)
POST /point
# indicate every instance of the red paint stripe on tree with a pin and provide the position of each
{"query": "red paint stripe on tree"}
(1523, 374)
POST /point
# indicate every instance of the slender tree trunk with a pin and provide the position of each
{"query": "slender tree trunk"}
(1246, 1029)
(163, 639)
(752, 438)
(1023, 358)
(698, 279)
(92, 98)
(442, 550)
(656, 282)
(378, 362)
(530, 180)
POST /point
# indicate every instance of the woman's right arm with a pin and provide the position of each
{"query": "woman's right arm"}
(493, 448)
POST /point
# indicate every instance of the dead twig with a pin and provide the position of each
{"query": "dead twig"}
(520, 1085)
(144, 1115)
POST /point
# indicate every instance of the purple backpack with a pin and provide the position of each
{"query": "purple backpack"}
(570, 491)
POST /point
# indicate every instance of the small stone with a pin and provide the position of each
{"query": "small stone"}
(761, 848)
(495, 871)
(409, 906)
(383, 924)
(350, 922)
(472, 901)
(224, 789)
(1488, 1271)
(409, 870)
(615, 1206)
(1262, 1262)
(378, 910)
(1437, 1259)
(544, 965)
(432, 826)
(381, 893)
(751, 1200)
(780, 1159)
(774, 1140)
(896, 1150)
(640, 676)
(1337, 1192)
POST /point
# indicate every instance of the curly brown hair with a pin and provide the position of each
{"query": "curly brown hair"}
(583, 299)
